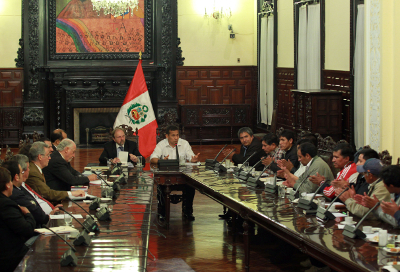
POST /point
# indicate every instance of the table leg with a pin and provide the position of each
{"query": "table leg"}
(167, 205)
(246, 245)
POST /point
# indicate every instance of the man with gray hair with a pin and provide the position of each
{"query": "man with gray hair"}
(250, 145)
(59, 173)
(40, 156)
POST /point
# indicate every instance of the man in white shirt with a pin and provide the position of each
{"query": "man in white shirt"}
(167, 149)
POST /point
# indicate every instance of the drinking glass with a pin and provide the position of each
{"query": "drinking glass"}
(182, 160)
(139, 161)
(321, 202)
(67, 219)
(281, 191)
(227, 163)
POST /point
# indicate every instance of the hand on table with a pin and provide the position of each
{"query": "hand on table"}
(56, 209)
(92, 177)
(115, 160)
(133, 158)
(78, 193)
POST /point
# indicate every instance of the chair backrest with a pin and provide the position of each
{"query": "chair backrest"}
(168, 119)
(131, 134)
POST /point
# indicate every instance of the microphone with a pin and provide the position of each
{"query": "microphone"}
(323, 213)
(210, 163)
(68, 258)
(83, 237)
(237, 170)
(95, 204)
(117, 169)
(167, 165)
(354, 232)
(244, 175)
(219, 166)
(177, 153)
(309, 204)
(115, 187)
(255, 181)
(89, 223)
(295, 194)
(103, 214)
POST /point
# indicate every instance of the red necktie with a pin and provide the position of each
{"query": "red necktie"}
(39, 196)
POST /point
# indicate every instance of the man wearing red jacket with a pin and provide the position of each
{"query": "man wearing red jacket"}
(343, 156)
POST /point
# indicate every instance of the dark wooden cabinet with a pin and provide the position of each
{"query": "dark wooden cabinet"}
(318, 111)
(11, 127)
(214, 122)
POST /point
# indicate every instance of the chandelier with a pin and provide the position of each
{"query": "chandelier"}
(115, 7)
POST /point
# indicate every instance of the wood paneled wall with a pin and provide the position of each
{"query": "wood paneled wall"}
(332, 80)
(11, 82)
(217, 85)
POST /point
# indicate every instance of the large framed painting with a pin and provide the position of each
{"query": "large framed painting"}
(79, 30)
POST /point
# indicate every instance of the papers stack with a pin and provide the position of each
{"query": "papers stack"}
(59, 230)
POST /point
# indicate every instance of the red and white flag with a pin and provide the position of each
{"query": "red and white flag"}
(137, 111)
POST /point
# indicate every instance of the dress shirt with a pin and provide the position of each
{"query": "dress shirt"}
(41, 172)
(300, 171)
(164, 149)
(43, 204)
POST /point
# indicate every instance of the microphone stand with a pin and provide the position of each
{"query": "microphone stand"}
(68, 258)
(219, 166)
(105, 182)
(354, 232)
(256, 181)
(210, 163)
(245, 175)
(83, 237)
(238, 170)
(323, 213)
(89, 223)
(309, 204)
(295, 194)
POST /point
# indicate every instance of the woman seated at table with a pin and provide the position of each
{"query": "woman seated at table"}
(16, 225)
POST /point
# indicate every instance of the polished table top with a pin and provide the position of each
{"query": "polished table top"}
(121, 244)
(280, 214)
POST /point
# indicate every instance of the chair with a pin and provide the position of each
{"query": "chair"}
(168, 119)
(131, 135)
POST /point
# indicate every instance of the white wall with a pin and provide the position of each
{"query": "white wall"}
(205, 41)
(285, 34)
(10, 29)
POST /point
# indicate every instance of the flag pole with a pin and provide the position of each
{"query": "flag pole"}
(140, 54)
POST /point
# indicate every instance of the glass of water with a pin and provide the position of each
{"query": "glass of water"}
(321, 202)
(281, 191)
(67, 219)
(139, 161)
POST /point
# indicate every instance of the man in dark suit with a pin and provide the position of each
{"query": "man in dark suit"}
(59, 173)
(55, 139)
(23, 198)
(250, 145)
(290, 160)
(112, 148)
(16, 225)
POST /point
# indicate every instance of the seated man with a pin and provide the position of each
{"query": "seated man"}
(307, 154)
(59, 173)
(62, 132)
(112, 148)
(166, 149)
(361, 186)
(371, 171)
(55, 139)
(250, 145)
(24, 198)
(270, 146)
(289, 160)
(388, 212)
(301, 168)
(48, 142)
(343, 156)
(40, 156)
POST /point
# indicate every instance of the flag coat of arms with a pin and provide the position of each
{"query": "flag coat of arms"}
(137, 112)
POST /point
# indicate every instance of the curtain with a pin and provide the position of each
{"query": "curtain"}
(263, 71)
(270, 68)
(359, 99)
(302, 49)
(313, 47)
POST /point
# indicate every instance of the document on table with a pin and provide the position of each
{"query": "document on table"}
(61, 216)
(87, 196)
(59, 230)
(123, 156)
(100, 182)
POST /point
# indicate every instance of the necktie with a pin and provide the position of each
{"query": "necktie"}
(121, 148)
(39, 196)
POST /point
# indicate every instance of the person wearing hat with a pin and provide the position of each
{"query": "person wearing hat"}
(371, 170)
(388, 212)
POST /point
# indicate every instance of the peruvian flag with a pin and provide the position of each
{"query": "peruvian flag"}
(137, 111)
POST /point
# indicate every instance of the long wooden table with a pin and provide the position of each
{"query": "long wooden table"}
(120, 245)
(322, 240)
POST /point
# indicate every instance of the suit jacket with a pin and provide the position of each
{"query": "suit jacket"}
(254, 147)
(60, 175)
(317, 165)
(15, 229)
(38, 183)
(110, 151)
(25, 199)
(291, 155)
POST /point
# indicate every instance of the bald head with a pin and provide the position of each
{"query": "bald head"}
(60, 131)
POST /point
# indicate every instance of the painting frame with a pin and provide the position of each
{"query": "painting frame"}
(148, 39)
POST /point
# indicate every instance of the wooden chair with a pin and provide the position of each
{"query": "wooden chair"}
(168, 119)
(9, 153)
(131, 135)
